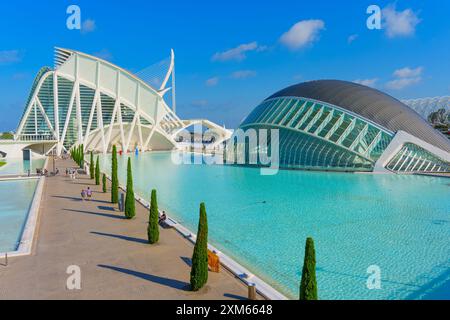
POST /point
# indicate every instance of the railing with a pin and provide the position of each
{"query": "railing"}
(35, 137)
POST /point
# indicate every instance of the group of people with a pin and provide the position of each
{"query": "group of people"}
(86, 194)
(40, 172)
(72, 173)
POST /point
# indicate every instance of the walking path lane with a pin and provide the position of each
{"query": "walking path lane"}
(115, 259)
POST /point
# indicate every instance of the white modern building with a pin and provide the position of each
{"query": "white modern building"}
(87, 100)
(342, 126)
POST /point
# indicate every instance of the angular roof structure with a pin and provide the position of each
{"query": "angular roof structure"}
(87, 100)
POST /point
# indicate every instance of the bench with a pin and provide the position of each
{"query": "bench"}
(168, 223)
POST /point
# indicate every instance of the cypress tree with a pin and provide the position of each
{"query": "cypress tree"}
(308, 286)
(130, 205)
(104, 183)
(97, 172)
(114, 177)
(199, 270)
(91, 166)
(82, 156)
(153, 229)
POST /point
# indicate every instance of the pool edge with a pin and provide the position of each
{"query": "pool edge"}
(29, 230)
(241, 273)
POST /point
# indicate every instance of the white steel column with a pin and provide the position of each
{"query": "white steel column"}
(56, 112)
(154, 123)
(69, 113)
(35, 118)
(138, 112)
(78, 102)
(100, 123)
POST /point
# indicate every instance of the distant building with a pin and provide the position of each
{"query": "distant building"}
(426, 106)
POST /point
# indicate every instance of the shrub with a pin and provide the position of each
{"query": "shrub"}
(97, 172)
(153, 229)
(308, 286)
(91, 166)
(104, 183)
(130, 205)
(199, 270)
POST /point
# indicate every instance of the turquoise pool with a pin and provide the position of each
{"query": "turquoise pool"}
(399, 223)
(19, 166)
(15, 201)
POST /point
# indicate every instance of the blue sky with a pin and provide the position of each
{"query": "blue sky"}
(230, 55)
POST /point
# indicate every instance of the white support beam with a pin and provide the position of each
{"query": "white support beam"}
(32, 101)
(305, 116)
(150, 135)
(78, 113)
(141, 140)
(35, 119)
(56, 105)
(174, 101)
(359, 137)
(346, 132)
(324, 122)
(335, 126)
(100, 124)
(69, 113)
(47, 120)
(111, 124)
(130, 130)
(138, 112)
(313, 121)
(91, 116)
(372, 145)
(299, 111)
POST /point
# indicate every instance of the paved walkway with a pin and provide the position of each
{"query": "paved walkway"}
(115, 259)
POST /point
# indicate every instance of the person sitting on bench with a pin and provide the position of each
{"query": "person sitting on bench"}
(163, 217)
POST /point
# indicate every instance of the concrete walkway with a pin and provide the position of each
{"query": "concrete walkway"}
(115, 259)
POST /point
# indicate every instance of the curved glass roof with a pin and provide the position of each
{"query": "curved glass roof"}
(338, 128)
(369, 103)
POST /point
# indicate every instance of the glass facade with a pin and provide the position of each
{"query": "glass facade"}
(412, 158)
(317, 135)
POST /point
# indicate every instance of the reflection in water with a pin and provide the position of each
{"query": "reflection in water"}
(19, 166)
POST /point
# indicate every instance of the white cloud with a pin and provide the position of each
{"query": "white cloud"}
(243, 74)
(238, 53)
(211, 82)
(367, 82)
(302, 34)
(88, 26)
(352, 38)
(399, 23)
(408, 72)
(9, 56)
(405, 77)
(399, 84)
